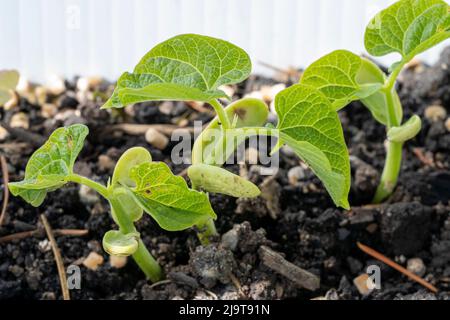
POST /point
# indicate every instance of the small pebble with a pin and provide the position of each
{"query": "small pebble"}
(447, 124)
(20, 120)
(93, 261)
(166, 107)
(44, 245)
(12, 102)
(48, 296)
(3, 133)
(55, 85)
(105, 163)
(118, 262)
(416, 266)
(251, 156)
(435, 113)
(156, 139)
(230, 239)
(88, 83)
(361, 283)
(49, 110)
(229, 90)
(87, 195)
(287, 151)
(295, 174)
(41, 95)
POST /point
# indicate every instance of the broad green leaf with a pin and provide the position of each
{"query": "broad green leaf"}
(343, 76)
(311, 127)
(50, 164)
(185, 67)
(119, 244)
(336, 75)
(214, 145)
(408, 27)
(406, 131)
(167, 198)
(8, 82)
(218, 180)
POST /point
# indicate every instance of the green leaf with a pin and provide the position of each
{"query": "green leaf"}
(8, 82)
(185, 67)
(408, 27)
(343, 76)
(336, 75)
(406, 131)
(218, 180)
(167, 198)
(311, 127)
(50, 164)
(212, 147)
(119, 244)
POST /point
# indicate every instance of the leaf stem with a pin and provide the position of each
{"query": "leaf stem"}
(142, 256)
(223, 117)
(206, 231)
(90, 183)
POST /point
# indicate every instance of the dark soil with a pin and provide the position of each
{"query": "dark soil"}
(297, 220)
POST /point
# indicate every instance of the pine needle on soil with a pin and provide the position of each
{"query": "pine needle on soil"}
(396, 266)
(58, 258)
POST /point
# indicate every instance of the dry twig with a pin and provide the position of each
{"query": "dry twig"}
(5, 176)
(58, 258)
(138, 129)
(396, 266)
(31, 233)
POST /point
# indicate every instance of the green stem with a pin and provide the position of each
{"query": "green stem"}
(206, 231)
(142, 256)
(390, 172)
(90, 183)
(223, 117)
(393, 160)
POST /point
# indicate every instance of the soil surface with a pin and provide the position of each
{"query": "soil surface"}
(294, 217)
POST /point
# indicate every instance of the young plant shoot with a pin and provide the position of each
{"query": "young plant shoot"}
(408, 27)
(193, 67)
(138, 185)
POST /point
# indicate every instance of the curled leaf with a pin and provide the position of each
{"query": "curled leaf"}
(218, 180)
(119, 244)
(214, 146)
(406, 131)
(128, 160)
(50, 165)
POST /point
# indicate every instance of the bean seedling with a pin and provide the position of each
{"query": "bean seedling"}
(192, 67)
(408, 28)
(137, 185)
